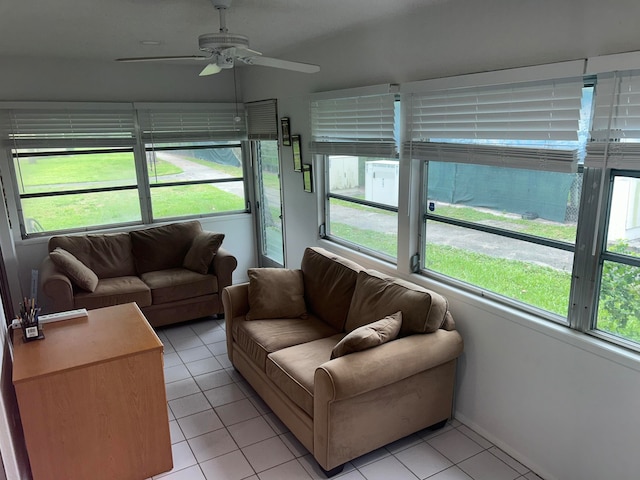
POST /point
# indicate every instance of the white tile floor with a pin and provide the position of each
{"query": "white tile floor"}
(221, 430)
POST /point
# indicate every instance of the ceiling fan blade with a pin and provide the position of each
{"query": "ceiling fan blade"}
(250, 52)
(277, 63)
(210, 69)
(161, 59)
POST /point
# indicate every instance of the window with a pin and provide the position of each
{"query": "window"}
(362, 201)
(195, 178)
(618, 310)
(85, 166)
(263, 130)
(506, 230)
(76, 188)
(501, 188)
(613, 155)
(356, 132)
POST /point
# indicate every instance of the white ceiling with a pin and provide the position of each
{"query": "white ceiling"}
(108, 29)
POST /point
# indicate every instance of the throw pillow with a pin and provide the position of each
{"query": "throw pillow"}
(203, 248)
(78, 272)
(275, 293)
(369, 336)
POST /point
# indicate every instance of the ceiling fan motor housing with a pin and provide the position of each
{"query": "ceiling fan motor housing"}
(216, 42)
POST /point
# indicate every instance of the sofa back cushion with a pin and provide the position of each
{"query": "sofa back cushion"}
(161, 248)
(275, 293)
(377, 295)
(107, 255)
(329, 282)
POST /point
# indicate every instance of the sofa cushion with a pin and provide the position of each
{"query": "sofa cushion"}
(177, 284)
(202, 250)
(114, 291)
(161, 248)
(369, 336)
(80, 275)
(108, 255)
(292, 369)
(259, 338)
(377, 295)
(329, 282)
(275, 293)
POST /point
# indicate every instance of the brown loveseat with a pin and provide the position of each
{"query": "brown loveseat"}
(173, 272)
(306, 342)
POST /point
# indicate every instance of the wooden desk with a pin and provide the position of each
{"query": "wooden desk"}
(92, 398)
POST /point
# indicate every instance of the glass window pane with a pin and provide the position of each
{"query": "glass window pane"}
(74, 170)
(272, 240)
(533, 274)
(80, 210)
(371, 179)
(373, 228)
(619, 300)
(365, 179)
(189, 164)
(538, 203)
(619, 297)
(623, 235)
(200, 199)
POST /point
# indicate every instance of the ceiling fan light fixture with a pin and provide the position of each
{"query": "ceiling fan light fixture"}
(210, 69)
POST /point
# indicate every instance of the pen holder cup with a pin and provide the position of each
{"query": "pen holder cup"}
(31, 328)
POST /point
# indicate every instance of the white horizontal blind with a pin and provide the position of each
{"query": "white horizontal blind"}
(359, 125)
(615, 132)
(528, 125)
(553, 160)
(193, 123)
(262, 120)
(67, 127)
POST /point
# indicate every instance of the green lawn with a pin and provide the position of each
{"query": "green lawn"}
(42, 174)
(543, 287)
(538, 228)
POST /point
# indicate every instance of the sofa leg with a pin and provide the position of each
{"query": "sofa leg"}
(333, 471)
(438, 426)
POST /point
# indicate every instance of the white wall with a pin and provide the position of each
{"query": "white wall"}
(560, 402)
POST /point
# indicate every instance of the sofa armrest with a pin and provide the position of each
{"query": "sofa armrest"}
(224, 263)
(361, 372)
(368, 399)
(235, 301)
(56, 286)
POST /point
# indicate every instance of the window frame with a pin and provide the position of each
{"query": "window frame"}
(597, 242)
(425, 215)
(109, 137)
(13, 156)
(325, 228)
(237, 144)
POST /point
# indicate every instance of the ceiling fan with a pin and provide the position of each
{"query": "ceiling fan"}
(223, 49)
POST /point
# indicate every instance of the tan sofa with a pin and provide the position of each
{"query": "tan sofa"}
(173, 272)
(341, 408)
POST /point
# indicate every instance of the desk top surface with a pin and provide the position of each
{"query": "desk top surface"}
(105, 334)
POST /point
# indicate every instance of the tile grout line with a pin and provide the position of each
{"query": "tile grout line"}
(264, 413)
